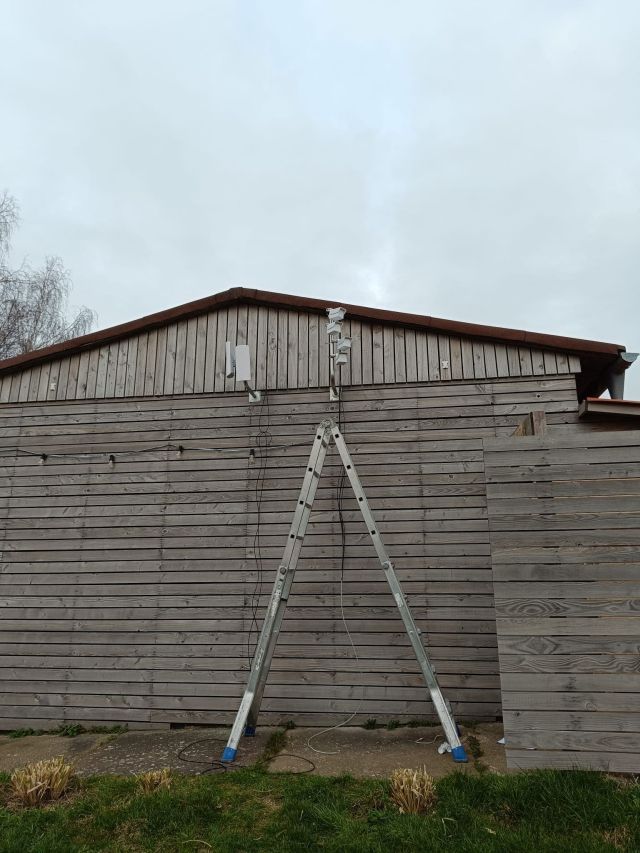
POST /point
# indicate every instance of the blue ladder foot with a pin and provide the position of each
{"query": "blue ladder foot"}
(250, 731)
(229, 753)
(458, 754)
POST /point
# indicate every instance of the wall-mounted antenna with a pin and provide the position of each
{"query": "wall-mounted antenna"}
(339, 348)
(238, 365)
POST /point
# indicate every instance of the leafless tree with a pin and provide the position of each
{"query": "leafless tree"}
(9, 217)
(34, 303)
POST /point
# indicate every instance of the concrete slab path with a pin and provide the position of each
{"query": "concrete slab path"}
(185, 750)
(356, 751)
(377, 753)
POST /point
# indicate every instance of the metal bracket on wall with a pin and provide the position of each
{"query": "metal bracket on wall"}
(254, 396)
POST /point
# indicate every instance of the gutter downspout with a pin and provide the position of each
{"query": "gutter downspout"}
(614, 376)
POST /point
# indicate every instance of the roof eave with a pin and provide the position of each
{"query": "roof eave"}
(598, 407)
(602, 351)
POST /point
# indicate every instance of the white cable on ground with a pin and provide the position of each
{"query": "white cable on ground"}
(348, 720)
(344, 620)
(428, 742)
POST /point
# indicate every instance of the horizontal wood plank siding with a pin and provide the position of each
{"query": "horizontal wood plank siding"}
(129, 587)
(289, 350)
(564, 514)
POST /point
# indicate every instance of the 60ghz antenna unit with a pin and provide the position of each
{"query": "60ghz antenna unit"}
(339, 348)
(238, 365)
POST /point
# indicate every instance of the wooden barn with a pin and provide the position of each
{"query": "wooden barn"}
(145, 505)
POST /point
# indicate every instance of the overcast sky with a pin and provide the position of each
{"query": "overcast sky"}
(472, 160)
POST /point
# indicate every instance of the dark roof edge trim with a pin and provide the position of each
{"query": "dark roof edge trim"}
(603, 406)
(264, 297)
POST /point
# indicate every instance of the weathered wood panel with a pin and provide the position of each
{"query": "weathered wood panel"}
(289, 350)
(565, 539)
(132, 590)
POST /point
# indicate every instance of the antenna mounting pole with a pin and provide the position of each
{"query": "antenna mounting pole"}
(338, 349)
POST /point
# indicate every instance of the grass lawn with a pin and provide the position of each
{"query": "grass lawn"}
(252, 810)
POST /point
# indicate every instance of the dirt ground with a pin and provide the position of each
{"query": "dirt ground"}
(377, 753)
(359, 752)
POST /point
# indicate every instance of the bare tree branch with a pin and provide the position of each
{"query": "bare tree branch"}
(9, 219)
(34, 303)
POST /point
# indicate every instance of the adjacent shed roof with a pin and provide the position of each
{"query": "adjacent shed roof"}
(596, 356)
(597, 407)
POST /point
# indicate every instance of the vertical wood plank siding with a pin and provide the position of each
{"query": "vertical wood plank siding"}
(564, 514)
(289, 350)
(128, 589)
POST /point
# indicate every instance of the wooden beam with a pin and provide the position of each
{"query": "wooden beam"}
(534, 423)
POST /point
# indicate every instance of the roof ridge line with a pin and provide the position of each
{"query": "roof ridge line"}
(265, 297)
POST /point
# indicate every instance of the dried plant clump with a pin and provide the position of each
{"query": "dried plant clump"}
(413, 791)
(42, 781)
(154, 780)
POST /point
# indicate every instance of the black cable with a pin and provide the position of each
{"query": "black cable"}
(340, 495)
(343, 541)
(341, 487)
(340, 498)
(214, 765)
(340, 492)
(343, 547)
(264, 439)
(105, 454)
(310, 769)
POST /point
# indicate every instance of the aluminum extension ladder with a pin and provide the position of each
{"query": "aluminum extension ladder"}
(247, 715)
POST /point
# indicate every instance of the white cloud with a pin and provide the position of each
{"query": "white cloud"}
(474, 161)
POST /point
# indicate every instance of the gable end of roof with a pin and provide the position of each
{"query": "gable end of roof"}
(597, 353)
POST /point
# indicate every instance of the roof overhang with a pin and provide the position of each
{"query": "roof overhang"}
(596, 357)
(599, 407)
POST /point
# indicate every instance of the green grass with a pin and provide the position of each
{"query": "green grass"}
(251, 810)
(17, 733)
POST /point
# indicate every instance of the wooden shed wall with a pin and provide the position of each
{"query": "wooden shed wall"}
(564, 514)
(289, 349)
(129, 588)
